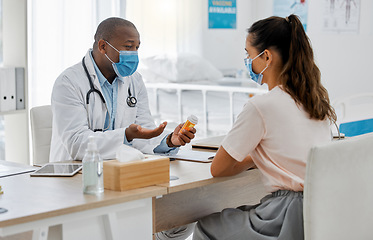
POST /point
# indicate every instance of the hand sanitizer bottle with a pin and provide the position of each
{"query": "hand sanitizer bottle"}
(93, 178)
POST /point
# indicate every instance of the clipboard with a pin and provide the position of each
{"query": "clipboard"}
(193, 156)
(211, 143)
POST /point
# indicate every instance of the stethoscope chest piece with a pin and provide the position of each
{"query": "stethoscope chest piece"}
(131, 101)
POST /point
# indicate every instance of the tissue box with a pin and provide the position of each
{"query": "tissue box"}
(121, 176)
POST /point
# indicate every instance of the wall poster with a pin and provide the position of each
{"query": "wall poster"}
(222, 14)
(341, 15)
(284, 8)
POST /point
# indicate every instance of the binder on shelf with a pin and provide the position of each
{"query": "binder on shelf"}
(20, 88)
(7, 89)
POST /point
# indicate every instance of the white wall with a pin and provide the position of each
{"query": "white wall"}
(343, 58)
(182, 26)
(169, 26)
(156, 23)
(226, 47)
(60, 33)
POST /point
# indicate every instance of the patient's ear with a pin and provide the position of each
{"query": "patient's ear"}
(268, 56)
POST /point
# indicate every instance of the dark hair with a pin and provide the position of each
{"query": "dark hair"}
(106, 28)
(300, 77)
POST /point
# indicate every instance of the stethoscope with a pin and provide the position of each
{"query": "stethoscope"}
(131, 100)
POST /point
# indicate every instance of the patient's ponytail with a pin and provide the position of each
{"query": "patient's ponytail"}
(300, 76)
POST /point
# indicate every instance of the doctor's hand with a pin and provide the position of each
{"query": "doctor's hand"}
(136, 131)
(177, 139)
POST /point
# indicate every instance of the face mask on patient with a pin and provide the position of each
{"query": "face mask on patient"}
(254, 76)
(128, 62)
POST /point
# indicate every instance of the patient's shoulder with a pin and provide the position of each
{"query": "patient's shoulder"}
(274, 100)
(269, 96)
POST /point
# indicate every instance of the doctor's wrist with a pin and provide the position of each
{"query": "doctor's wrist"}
(169, 141)
(128, 135)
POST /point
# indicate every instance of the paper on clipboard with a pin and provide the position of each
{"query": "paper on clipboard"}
(194, 156)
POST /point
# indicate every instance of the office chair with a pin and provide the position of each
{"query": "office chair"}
(41, 130)
(355, 114)
(338, 192)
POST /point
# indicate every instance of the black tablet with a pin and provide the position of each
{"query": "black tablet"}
(57, 170)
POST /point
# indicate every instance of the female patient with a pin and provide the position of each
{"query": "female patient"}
(275, 132)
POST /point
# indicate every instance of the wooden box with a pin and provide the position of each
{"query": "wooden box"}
(121, 176)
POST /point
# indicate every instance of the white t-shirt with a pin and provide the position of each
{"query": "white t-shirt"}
(278, 134)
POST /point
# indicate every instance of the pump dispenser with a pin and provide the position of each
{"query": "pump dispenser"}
(93, 178)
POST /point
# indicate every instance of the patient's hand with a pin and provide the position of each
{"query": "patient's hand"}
(136, 131)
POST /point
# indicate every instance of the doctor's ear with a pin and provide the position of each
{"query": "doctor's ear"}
(101, 46)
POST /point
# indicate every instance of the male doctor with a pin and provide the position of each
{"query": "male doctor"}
(103, 95)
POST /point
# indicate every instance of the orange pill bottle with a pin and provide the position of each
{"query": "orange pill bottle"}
(190, 122)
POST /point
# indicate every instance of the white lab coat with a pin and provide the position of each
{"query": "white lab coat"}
(71, 115)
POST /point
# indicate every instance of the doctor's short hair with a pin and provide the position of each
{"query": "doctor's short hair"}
(106, 28)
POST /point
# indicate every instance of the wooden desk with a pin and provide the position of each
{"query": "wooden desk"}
(196, 194)
(35, 203)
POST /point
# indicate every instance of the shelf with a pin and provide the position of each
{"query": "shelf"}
(13, 112)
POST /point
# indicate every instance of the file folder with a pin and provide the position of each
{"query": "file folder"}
(7, 89)
(20, 88)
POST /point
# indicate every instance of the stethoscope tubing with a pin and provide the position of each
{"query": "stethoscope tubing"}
(92, 90)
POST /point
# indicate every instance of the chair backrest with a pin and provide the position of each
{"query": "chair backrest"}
(355, 114)
(338, 196)
(41, 130)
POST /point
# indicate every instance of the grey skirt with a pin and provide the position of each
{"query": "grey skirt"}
(278, 216)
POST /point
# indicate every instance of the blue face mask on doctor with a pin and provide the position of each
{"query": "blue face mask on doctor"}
(128, 62)
(256, 77)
